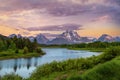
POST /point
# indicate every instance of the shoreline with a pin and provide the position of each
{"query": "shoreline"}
(89, 49)
(28, 55)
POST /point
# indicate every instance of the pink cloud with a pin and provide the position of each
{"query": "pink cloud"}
(105, 18)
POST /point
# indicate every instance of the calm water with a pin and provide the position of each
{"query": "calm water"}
(24, 67)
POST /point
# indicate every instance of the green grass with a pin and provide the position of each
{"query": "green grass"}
(11, 77)
(90, 49)
(59, 75)
(81, 64)
(107, 71)
(10, 54)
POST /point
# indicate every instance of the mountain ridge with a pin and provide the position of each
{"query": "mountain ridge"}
(69, 37)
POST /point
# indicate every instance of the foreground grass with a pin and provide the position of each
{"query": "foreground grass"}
(107, 71)
(11, 77)
(10, 54)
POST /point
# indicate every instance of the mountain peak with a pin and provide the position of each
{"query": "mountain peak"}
(13, 35)
(41, 39)
(40, 34)
(105, 38)
(66, 37)
(70, 35)
(69, 31)
(105, 35)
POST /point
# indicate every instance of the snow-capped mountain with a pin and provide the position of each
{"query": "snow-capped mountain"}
(12, 35)
(15, 35)
(70, 37)
(106, 38)
(117, 39)
(31, 38)
(87, 39)
(41, 39)
(67, 37)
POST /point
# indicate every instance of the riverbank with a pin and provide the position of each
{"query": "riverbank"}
(105, 71)
(85, 49)
(10, 54)
(90, 49)
(93, 47)
(65, 69)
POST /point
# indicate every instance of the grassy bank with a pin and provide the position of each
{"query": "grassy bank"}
(90, 49)
(10, 54)
(107, 71)
(11, 77)
(94, 46)
(73, 66)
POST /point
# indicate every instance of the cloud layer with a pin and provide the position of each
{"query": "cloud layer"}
(63, 7)
(63, 27)
(44, 13)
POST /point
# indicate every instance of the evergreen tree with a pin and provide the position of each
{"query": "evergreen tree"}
(38, 50)
(2, 45)
(12, 45)
(25, 50)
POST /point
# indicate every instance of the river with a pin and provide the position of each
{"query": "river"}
(24, 67)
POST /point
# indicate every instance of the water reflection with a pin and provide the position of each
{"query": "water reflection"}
(0, 66)
(24, 67)
(36, 62)
(28, 63)
(21, 63)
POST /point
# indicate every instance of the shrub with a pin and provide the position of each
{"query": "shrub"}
(106, 71)
(25, 50)
(39, 50)
(16, 51)
(11, 77)
(109, 54)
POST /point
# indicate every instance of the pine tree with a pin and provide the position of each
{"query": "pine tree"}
(25, 50)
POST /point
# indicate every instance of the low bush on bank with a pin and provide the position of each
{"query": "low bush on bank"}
(107, 71)
(11, 77)
(75, 64)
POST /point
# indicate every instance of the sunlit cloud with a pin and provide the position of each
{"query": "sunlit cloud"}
(105, 19)
(63, 27)
(38, 16)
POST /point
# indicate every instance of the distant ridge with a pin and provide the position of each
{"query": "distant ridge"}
(41, 39)
(106, 38)
(69, 37)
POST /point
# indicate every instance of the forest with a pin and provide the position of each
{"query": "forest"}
(18, 47)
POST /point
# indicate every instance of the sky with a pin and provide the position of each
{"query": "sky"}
(51, 17)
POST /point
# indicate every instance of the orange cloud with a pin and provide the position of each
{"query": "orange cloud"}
(4, 17)
(7, 30)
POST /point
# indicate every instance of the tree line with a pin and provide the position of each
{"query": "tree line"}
(17, 44)
(97, 44)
